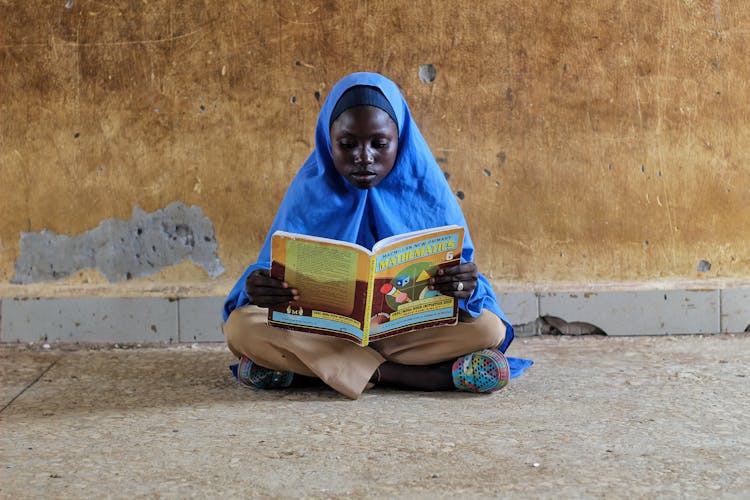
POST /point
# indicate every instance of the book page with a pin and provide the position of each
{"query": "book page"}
(331, 277)
(326, 276)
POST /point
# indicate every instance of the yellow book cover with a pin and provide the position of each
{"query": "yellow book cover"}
(365, 295)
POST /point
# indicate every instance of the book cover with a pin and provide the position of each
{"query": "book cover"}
(351, 292)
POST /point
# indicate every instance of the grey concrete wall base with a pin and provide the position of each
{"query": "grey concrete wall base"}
(127, 320)
(651, 312)
(519, 307)
(522, 310)
(198, 319)
(735, 310)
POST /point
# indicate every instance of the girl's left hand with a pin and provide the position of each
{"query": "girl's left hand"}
(457, 281)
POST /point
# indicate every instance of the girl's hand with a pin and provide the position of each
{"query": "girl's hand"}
(265, 291)
(457, 281)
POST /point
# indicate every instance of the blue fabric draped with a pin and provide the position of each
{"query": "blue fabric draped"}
(414, 196)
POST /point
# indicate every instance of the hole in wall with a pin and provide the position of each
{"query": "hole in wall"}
(501, 157)
(427, 73)
(703, 266)
(553, 325)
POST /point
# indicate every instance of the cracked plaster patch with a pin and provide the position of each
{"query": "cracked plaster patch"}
(122, 249)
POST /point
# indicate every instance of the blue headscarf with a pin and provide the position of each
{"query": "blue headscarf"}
(414, 196)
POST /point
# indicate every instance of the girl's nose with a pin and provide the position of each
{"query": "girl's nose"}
(363, 156)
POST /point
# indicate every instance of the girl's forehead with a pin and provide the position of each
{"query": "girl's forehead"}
(362, 95)
(368, 119)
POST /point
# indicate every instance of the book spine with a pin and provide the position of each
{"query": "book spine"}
(368, 301)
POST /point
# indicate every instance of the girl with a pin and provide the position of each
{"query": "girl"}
(371, 175)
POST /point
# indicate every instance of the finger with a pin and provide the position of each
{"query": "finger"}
(271, 296)
(266, 300)
(464, 271)
(262, 277)
(273, 291)
(452, 291)
(454, 278)
(257, 282)
(466, 267)
(266, 281)
(258, 275)
(467, 285)
(288, 293)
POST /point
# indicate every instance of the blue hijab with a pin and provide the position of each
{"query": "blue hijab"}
(414, 196)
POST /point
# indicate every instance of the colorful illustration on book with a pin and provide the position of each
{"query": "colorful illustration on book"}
(412, 284)
(391, 291)
(379, 318)
(408, 294)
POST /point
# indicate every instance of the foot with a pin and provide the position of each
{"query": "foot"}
(254, 375)
(482, 371)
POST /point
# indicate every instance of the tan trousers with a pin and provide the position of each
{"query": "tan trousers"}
(342, 364)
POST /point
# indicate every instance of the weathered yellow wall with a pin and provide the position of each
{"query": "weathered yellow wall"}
(593, 141)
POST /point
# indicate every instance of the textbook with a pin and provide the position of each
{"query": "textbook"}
(365, 295)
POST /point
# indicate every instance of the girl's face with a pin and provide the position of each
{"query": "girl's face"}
(364, 143)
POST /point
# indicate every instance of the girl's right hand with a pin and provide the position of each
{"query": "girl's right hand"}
(265, 291)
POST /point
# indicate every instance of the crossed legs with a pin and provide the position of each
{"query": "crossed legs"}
(419, 360)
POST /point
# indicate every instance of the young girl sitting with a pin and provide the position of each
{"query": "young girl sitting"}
(371, 175)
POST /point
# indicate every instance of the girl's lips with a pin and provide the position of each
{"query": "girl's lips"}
(363, 175)
(363, 180)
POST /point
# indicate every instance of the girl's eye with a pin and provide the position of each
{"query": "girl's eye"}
(346, 145)
(380, 145)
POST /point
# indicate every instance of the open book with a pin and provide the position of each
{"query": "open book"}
(351, 292)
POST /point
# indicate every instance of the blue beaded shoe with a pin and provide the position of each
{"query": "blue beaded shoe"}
(481, 371)
(254, 375)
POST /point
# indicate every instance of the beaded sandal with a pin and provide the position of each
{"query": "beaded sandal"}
(254, 375)
(481, 371)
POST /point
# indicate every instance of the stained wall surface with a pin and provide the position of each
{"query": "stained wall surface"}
(587, 141)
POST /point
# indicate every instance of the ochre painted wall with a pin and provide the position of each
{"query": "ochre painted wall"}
(592, 141)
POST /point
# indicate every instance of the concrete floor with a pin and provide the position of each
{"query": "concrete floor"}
(594, 417)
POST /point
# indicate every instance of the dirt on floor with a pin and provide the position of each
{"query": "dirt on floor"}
(594, 417)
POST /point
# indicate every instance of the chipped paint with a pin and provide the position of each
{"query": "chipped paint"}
(122, 249)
